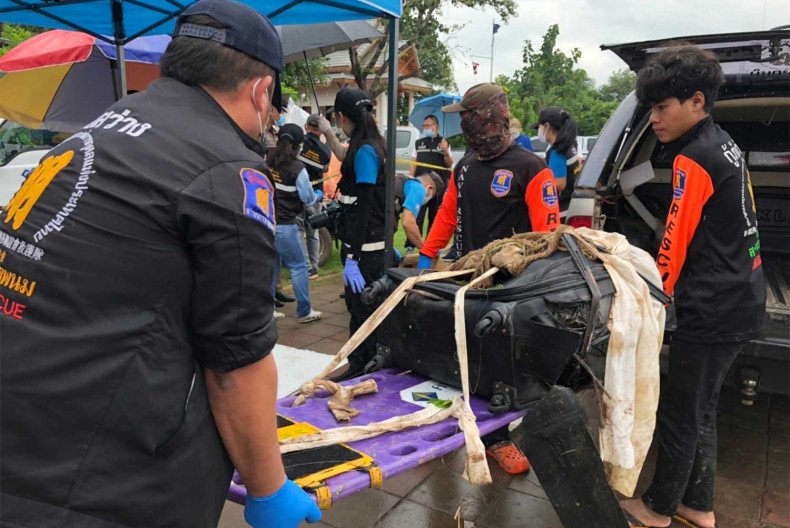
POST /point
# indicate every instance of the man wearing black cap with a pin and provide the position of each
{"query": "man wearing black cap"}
(315, 156)
(135, 362)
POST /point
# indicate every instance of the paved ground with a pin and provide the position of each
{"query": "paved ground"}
(752, 485)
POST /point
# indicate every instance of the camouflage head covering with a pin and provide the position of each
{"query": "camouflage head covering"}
(487, 128)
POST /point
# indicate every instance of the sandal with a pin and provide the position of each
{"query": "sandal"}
(509, 457)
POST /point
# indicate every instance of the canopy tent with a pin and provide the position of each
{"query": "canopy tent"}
(125, 20)
(128, 19)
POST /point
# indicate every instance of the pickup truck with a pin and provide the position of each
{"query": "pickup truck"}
(625, 184)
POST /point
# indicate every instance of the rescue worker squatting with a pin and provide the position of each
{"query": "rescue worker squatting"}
(56, 224)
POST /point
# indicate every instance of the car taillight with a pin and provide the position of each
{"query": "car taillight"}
(580, 221)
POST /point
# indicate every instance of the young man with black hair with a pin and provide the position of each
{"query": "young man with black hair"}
(710, 260)
(138, 374)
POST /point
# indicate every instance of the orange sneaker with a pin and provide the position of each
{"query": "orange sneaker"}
(509, 457)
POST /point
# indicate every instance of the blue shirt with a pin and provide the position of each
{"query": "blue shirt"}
(525, 142)
(558, 164)
(366, 165)
(414, 194)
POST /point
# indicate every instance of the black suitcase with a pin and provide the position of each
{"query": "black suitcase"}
(524, 330)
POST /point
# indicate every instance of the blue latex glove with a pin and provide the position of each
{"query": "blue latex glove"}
(319, 195)
(424, 262)
(352, 276)
(397, 255)
(287, 507)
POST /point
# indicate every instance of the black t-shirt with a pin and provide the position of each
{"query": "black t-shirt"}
(428, 151)
(497, 198)
(147, 251)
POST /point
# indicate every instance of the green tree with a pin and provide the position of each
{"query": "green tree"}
(13, 34)
(296, 78)
(420, 27)
(618, 86)
(552, 77)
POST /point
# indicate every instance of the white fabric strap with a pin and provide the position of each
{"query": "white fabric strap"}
(310, 162)
(371, 246)
(348, 200)
(573, 159)
(285, 188)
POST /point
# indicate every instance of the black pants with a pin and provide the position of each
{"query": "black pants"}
(371, 264)
(686, 426)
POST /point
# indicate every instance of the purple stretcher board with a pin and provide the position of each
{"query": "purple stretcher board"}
(394, 452)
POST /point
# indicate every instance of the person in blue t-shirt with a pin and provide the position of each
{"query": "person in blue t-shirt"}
(361, 228)
(518, 137)
(411, 195)
(557, 128)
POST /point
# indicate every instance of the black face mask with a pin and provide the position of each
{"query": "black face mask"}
(487, 128)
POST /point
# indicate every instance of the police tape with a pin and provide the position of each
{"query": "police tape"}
(328, 178)
(402, 160)
(421, 164)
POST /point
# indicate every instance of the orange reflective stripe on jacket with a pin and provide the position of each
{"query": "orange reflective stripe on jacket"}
(691, 188)
(543, 201)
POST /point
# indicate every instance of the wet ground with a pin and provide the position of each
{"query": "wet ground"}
(752, 484)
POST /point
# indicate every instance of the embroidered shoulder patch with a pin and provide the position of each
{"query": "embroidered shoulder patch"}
(549, 193)
(500, 184)
(258, 197)
(679, 184)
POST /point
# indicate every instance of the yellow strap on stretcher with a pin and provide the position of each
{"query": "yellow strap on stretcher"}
(323, 496)
(376, 476)
(314, 480)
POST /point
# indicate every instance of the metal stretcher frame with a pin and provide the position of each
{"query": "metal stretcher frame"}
(393, 453)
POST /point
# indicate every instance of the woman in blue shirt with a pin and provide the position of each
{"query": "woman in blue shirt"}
(557, 128)
(362, 223)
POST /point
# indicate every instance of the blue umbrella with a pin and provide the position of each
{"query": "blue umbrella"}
(449, 124)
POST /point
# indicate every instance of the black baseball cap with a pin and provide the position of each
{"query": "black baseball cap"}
(351, 101)
(244, 29)
(553, 115)
(292, 131)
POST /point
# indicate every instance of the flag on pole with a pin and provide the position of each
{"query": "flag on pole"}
(475, 65)
(496, 28)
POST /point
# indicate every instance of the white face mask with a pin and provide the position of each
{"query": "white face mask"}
(542, 133)
(262, 137)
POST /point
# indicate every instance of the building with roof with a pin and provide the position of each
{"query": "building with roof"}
(339, 74)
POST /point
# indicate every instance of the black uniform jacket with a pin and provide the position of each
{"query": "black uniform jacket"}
(142, 251)
(710, 254)
(493, 199)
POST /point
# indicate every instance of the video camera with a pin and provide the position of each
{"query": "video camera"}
(328, 217)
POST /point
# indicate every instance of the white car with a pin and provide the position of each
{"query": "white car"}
(584, 145)
(21, 150)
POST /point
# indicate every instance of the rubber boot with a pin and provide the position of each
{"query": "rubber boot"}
(562, 454)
